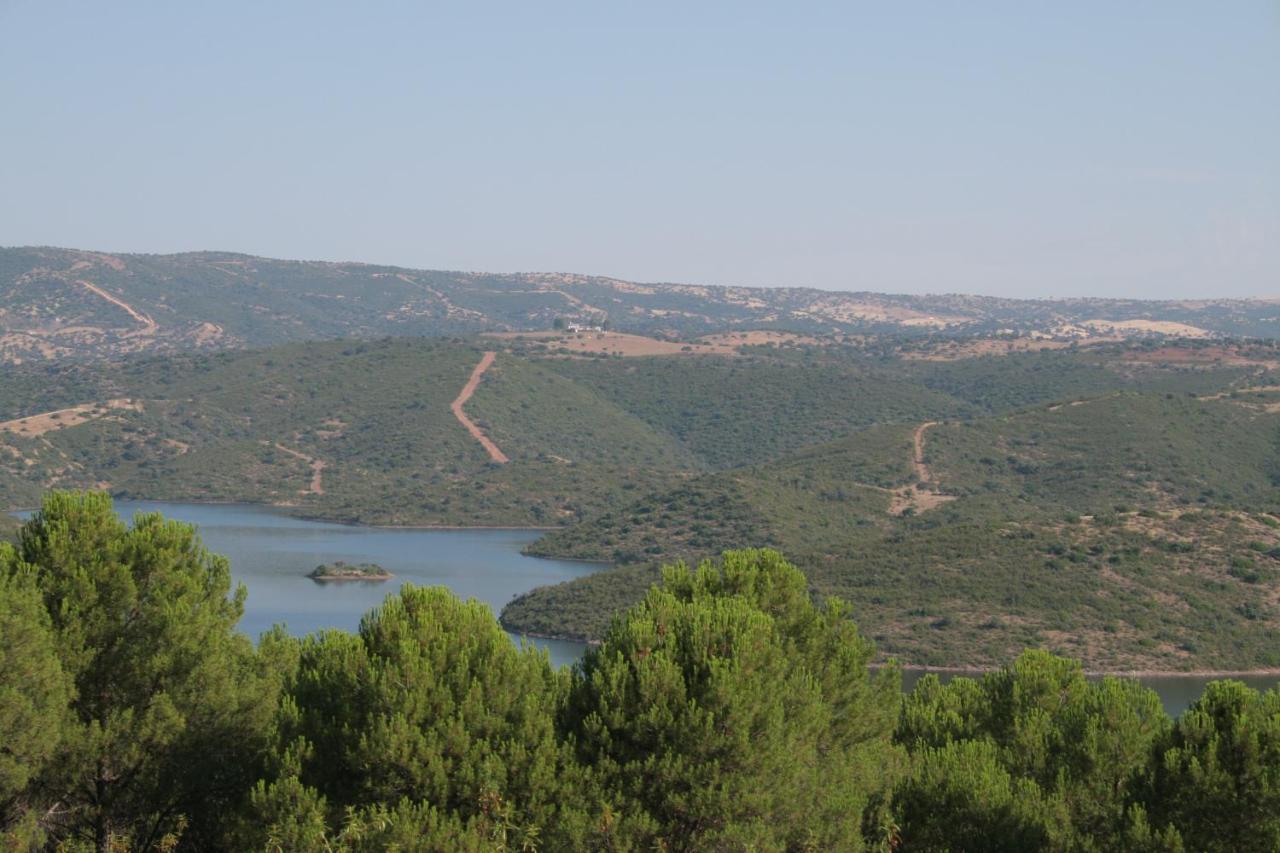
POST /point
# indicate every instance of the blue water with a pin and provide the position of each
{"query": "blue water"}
(271, 553)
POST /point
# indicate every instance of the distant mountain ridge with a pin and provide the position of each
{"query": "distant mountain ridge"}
(68, 303)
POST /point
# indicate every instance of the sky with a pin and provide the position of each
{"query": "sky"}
(1025, 148)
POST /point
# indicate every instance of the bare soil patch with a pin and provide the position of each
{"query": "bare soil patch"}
(1163, 327)
(923, 495)
(761, 337)
(617, 343)
(958, 350)
(1207, 355)
(35, 425)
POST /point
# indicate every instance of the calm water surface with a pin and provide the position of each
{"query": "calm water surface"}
(271, 553)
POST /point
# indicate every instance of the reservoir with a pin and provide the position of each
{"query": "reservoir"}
(271, 553)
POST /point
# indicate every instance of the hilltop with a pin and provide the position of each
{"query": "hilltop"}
(66, 303)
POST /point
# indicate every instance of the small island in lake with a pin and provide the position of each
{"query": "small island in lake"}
(340, 571)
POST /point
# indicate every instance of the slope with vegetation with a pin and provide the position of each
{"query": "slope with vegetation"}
(725, 710)
(1049, 504)
(252, 426)
(1135, 531)
(65, 303)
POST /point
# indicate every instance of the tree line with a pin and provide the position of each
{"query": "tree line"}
(726, 711)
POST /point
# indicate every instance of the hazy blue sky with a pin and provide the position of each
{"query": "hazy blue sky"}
(1020, 148)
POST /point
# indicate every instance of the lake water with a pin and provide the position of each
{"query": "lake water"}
(271, 553)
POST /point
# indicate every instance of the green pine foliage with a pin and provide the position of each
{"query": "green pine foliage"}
(429, 703)
(169, 707)
(34, 693)
(726, 710)
(1216, 776)
(8, 528)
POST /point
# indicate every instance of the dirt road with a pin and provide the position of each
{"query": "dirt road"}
(316, 486)
(149, 325)
(463, 396)
(922, 470)
(923, 495)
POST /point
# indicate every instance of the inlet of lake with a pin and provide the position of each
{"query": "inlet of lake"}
(271, 552)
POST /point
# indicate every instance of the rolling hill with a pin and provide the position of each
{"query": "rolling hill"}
(65, 303)
(1113, 502)
(1137, 531)
(351, 431)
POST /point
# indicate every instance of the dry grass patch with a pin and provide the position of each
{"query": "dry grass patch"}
(37, 425)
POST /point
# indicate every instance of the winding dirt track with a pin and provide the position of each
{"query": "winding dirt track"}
(463, 396)
(922, 470)
(316, 486)
(923, 495)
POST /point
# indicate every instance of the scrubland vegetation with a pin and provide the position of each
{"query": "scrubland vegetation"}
(724, 710)
(1112, 503)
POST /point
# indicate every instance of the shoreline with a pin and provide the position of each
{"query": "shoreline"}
(525, 553)
(972, 671)
(285, 508)
(561, 638)
(957, 670)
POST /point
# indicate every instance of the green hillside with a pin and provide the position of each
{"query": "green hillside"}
(253, 426)
(999, 383)
(1134, 532)
(1129, 528)
(1149, 450)
(732, 412)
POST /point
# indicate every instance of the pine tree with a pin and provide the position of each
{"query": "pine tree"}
(726, 711)
(1066, 756)
(1216, 776)
(429, 715)
(34, 692)
(170, 711)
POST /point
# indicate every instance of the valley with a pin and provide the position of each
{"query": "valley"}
(1113, 502)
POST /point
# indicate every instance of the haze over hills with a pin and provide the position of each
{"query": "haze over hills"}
(68, 303)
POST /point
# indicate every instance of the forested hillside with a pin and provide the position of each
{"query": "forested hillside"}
(347, 431)
(1110, 502)
(1135, 531)
(65, 303)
